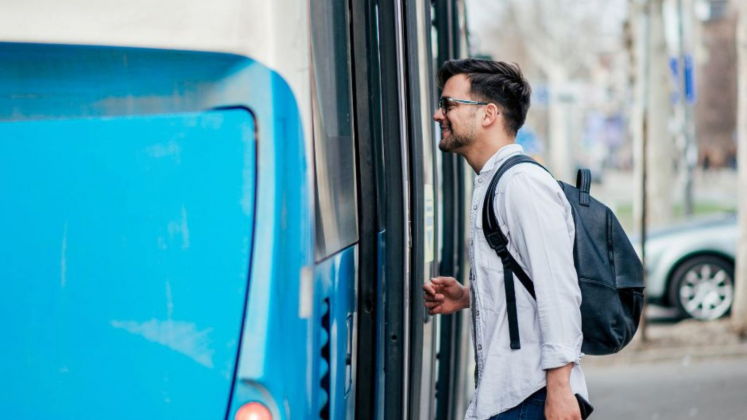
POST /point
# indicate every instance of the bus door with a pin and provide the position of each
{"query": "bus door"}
(424, 193)
(385, 240)
(454, 373)
(336, 210)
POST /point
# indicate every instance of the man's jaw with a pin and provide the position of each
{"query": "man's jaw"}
(447, 140)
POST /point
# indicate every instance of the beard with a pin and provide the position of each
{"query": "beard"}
(455, 141)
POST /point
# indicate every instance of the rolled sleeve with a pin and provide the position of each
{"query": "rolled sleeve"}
(558, 355)
(539, 214)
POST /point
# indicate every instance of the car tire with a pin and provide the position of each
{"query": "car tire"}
(702, 287)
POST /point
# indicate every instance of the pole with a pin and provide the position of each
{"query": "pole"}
(684, 116)
(644, 323)
(644, 74)
(739, 313)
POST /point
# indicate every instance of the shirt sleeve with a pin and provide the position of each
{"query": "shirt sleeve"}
(540, 234)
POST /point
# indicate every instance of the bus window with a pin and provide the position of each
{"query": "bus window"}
(336, 204)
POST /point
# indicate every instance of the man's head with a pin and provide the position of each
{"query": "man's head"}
(481, 99)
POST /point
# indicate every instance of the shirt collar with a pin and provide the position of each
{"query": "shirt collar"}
(498, 158)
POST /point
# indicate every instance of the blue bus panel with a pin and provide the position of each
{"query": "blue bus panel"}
(336, 300)
(95, 84)
(125, 247)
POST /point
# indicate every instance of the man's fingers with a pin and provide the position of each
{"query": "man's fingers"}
(429, 289)
(431, 305)
(443, 281)
(434, 298)
(435, 311)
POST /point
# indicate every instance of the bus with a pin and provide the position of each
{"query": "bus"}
(227, 209)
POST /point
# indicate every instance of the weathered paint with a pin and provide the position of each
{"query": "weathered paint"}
(98, 86)
(274, 33)
(124, 272)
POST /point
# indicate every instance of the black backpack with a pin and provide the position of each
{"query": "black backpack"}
(610, 274)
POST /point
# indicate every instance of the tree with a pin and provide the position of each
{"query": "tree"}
(561, 40)
(739, 314)
(660, 145)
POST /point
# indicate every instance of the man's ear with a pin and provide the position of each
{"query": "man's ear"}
(491, 115)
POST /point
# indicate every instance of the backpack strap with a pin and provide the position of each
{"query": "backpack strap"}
(499, 243)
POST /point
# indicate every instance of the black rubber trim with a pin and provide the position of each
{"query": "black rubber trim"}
(417, 269)
(364, 69)
(394, 260)
(449, 349)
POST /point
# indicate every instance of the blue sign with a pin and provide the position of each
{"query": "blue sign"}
(690, 93)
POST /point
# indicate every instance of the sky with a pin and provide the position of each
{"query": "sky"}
(484, 14)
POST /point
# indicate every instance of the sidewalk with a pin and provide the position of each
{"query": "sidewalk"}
(683, 341)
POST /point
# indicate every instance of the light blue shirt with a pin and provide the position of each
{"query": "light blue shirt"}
(537, 219)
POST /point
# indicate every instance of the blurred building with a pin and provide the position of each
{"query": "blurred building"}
(716, 74)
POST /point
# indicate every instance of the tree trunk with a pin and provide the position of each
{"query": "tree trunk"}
(661, 147)
(739, 313)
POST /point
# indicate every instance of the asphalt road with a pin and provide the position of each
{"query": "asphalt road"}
(704, 389)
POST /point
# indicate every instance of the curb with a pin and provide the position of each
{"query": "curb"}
(653, 355)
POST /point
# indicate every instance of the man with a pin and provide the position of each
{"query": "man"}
(483, 105)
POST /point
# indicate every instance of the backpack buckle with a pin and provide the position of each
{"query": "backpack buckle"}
(497, 242)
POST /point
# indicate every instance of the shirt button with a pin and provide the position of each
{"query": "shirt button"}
(474, 207)
(479, 180)
(479, 347)
(477, 313)
(471, 242)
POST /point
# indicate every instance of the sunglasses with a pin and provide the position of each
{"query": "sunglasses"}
(446, 102)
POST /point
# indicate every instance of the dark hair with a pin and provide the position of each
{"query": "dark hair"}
(494, 81)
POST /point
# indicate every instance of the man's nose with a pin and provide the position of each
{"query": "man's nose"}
(438, 115)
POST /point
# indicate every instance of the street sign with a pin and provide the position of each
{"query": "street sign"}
(690, 93)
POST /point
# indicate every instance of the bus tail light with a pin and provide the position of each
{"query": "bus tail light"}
(253, 411)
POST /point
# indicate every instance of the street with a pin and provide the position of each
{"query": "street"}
(686, 389)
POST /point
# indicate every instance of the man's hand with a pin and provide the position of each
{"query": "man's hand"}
(444, 295)
(561, 404)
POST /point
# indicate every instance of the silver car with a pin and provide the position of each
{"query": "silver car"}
(690, 266)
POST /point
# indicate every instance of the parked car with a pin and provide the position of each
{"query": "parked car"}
(690, 266)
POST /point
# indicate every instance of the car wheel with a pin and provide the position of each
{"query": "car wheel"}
(703, 287)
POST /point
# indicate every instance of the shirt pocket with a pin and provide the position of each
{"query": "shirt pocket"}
(487, 257)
